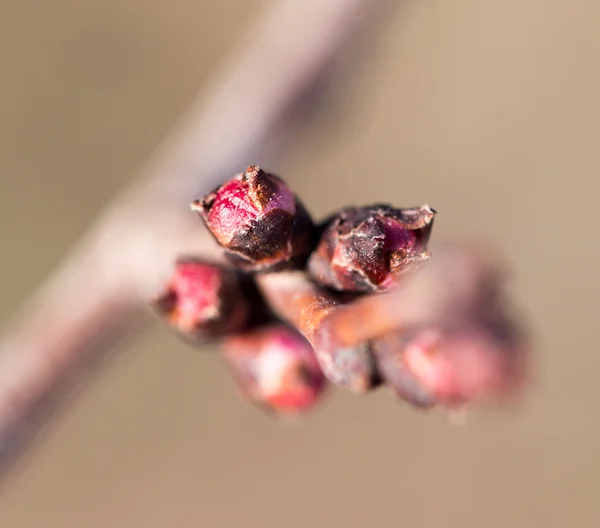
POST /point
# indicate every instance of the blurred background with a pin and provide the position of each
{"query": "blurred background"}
(488, 111)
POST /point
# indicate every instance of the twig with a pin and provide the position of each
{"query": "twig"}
(306, 307)
(461, 283)
(123, 259)
(458, 295)
(457, 287)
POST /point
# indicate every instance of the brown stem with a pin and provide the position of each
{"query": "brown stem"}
(298, 301)
(459, 287)
(457, 282)
(307, 308)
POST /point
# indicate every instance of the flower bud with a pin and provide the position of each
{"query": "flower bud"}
(276, 368)
(461, 366)
(449, 367)
(388, 351)
(366, 249)
(259, 221)
(203, 300)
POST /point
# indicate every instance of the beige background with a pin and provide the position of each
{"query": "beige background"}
(489, 111)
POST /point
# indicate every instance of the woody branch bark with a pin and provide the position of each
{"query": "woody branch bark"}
(105, 281)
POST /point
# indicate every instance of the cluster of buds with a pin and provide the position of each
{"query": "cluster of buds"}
(293, 292)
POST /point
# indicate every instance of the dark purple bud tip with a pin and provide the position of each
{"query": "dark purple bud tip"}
(203, 300)
(259, 221)
(366, 249)
(276, 368)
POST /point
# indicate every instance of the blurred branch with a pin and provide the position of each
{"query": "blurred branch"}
(92, 299)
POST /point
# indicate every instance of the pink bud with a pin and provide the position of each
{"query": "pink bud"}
(203, 299)
(276, 368)
(389, 353)
(368, 248)
(451, 367)
(258, 220)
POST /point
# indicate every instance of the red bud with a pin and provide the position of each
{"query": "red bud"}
(258, 220)
(368, 248)
(450, 367)
(203, 300)
(277, 368)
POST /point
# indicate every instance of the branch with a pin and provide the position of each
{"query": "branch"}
(103, 284)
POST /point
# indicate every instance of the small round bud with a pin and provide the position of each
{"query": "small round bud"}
(276, 367)
(258, 220)
(203, 300)
(366, 249)
(461, 366)
(449, 367)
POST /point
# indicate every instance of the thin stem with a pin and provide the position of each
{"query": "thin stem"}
(452, 287)
(459, 289)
